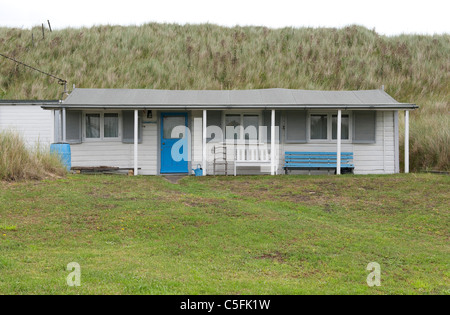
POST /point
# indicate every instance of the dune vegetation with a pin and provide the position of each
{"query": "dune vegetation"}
(19, 162)
(413, 68)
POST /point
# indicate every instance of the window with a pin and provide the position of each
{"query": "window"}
(323, 127)
(344, 127)
(214, 126)
(111, 125)
(92, 126)
(242, 126)
(170, 123)
(231, 122)
(101, 126)
(267, 123)
(251, 127)
(319, 127)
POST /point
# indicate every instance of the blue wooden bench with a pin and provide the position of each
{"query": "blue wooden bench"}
(318, 160)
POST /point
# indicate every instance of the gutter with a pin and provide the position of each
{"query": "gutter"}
(35, 103)
(399, 106)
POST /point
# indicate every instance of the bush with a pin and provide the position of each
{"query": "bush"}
(20, 162)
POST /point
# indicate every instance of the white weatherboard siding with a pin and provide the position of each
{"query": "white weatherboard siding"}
(379, 157)
(375, 158)
(31, 121)
(118, 154)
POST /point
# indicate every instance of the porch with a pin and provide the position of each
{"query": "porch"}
(163, 132)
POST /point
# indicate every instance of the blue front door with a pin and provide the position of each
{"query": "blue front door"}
(174, 144)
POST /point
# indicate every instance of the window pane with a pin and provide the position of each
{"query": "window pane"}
(232, 121)
(111, 125)
(170, 123)
(319, 127)
(92, 125)
(251, 127)
(344, 127)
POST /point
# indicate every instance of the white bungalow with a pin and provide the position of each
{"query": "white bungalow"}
(237, 131)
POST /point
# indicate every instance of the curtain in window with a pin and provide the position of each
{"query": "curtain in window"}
(231, 122)
(111, 122)
(251, 127)
(92, 125)
(319, 127)
(344, 127)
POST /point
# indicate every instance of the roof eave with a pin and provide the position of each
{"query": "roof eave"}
(378, 106)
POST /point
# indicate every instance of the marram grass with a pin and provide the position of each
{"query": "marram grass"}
(18, 161)
(413, 68)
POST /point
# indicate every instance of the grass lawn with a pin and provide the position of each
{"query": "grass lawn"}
(226, 235)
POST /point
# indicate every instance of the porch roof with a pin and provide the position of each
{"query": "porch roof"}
(229, 99)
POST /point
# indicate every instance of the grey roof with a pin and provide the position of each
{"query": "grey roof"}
(201, 99)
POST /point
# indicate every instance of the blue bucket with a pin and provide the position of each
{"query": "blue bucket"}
(198, 171)
(63, 151)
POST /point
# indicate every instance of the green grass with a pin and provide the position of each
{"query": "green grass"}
(226, 235)
(414, 68)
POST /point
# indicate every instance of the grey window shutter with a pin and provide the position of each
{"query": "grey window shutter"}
(128, 127)
(296, 126)
(73, 126)
(214, 118)
(267, 121)
(364, 126)
(57, 124)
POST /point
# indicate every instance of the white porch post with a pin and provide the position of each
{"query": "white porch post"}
(204, 143)
(338, 150)
(272, 144)
(136, 141)
(406, 141)
(63, 125)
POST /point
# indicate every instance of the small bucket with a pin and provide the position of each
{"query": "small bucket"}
(198, 171)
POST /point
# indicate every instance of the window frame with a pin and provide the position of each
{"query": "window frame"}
(349, 135)
(242, 134)
(329, 127)
(102, 126)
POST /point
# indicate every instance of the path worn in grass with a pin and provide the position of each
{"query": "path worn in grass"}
(226, 235)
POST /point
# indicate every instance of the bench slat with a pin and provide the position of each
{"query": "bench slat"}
(315, 153)
(317, 160)
(317, 157)
(319, 165)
